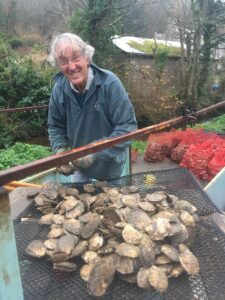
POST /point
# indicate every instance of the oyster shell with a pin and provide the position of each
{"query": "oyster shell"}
(127, 250)
(182, 205)
(55, 232)
(96, 241)
(100, 278)
(142, 279)
(69, 203)
(89, 188)
(143, 238)
(36, 248)
(89, 228)
(188, 260)
(138, 219)
(66, 243)
(156, 197)
(73, 226)
(147, 252)
(46, 219)
(131, 235)
(50, 244)
(158, 279)
(65, 266)
(85, 272)
(170, 251)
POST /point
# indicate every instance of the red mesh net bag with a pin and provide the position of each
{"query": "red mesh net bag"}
(154, 152)
(217, 163)
(178, 152)
(201, 152)
(196, 159)
(159, 146)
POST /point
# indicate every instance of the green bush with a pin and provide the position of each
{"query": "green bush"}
(31, 40)
(21, 153)
(22, 83)
(15, 43)
(215, 125)
(140, 146)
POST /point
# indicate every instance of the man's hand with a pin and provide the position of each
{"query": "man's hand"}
(84, 162)
(66, 169)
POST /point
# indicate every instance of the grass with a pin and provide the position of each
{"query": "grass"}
(216, 125)
(149, 47)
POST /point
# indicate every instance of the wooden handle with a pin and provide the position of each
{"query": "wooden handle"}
(9, 188)
(22, 184)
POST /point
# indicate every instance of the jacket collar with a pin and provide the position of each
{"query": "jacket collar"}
(63, 82)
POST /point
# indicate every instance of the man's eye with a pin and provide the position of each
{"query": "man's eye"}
(75, 58)
(62, 61)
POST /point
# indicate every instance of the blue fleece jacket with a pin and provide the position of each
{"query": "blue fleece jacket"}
(107, 112)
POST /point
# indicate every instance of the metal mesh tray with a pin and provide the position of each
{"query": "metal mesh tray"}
(41, 282)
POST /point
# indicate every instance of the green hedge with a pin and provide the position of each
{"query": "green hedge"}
(21, 153)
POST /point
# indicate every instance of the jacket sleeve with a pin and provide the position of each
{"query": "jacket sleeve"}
(122, 118)
(57, 121)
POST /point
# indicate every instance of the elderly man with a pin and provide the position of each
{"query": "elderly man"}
(87, 104)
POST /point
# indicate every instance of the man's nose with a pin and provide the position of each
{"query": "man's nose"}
(71, 65)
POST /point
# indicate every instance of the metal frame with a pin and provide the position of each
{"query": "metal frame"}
(10, 281)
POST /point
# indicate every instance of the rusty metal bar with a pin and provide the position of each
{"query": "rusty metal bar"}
(25, 170)
(21, 109)
(210, 108)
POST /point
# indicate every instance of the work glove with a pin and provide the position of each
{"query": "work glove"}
(66, 169)
(84, 162)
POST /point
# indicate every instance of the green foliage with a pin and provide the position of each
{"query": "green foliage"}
(31, 41)
(5, 48)
(22, 153)
(8, 130)
(23, 83)
(140, 146)
(216, 125)
(15, 43)
(150, 47)
(97, 23)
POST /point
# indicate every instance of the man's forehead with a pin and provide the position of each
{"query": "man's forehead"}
(67, 50)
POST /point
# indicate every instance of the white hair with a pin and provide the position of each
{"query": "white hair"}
(64, 40)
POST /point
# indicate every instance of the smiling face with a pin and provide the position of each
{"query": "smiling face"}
(74, 65)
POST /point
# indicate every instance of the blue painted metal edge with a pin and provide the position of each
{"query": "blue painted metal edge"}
(10, 280)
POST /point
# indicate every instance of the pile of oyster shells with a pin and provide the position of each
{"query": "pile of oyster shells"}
(144, 240)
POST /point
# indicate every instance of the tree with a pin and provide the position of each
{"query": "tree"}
(200, 24)
(98, 22)
(66, 9)
(8, 16)
(147, 18)
(213, 35)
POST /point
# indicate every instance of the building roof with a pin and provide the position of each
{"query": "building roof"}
(122, 42)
